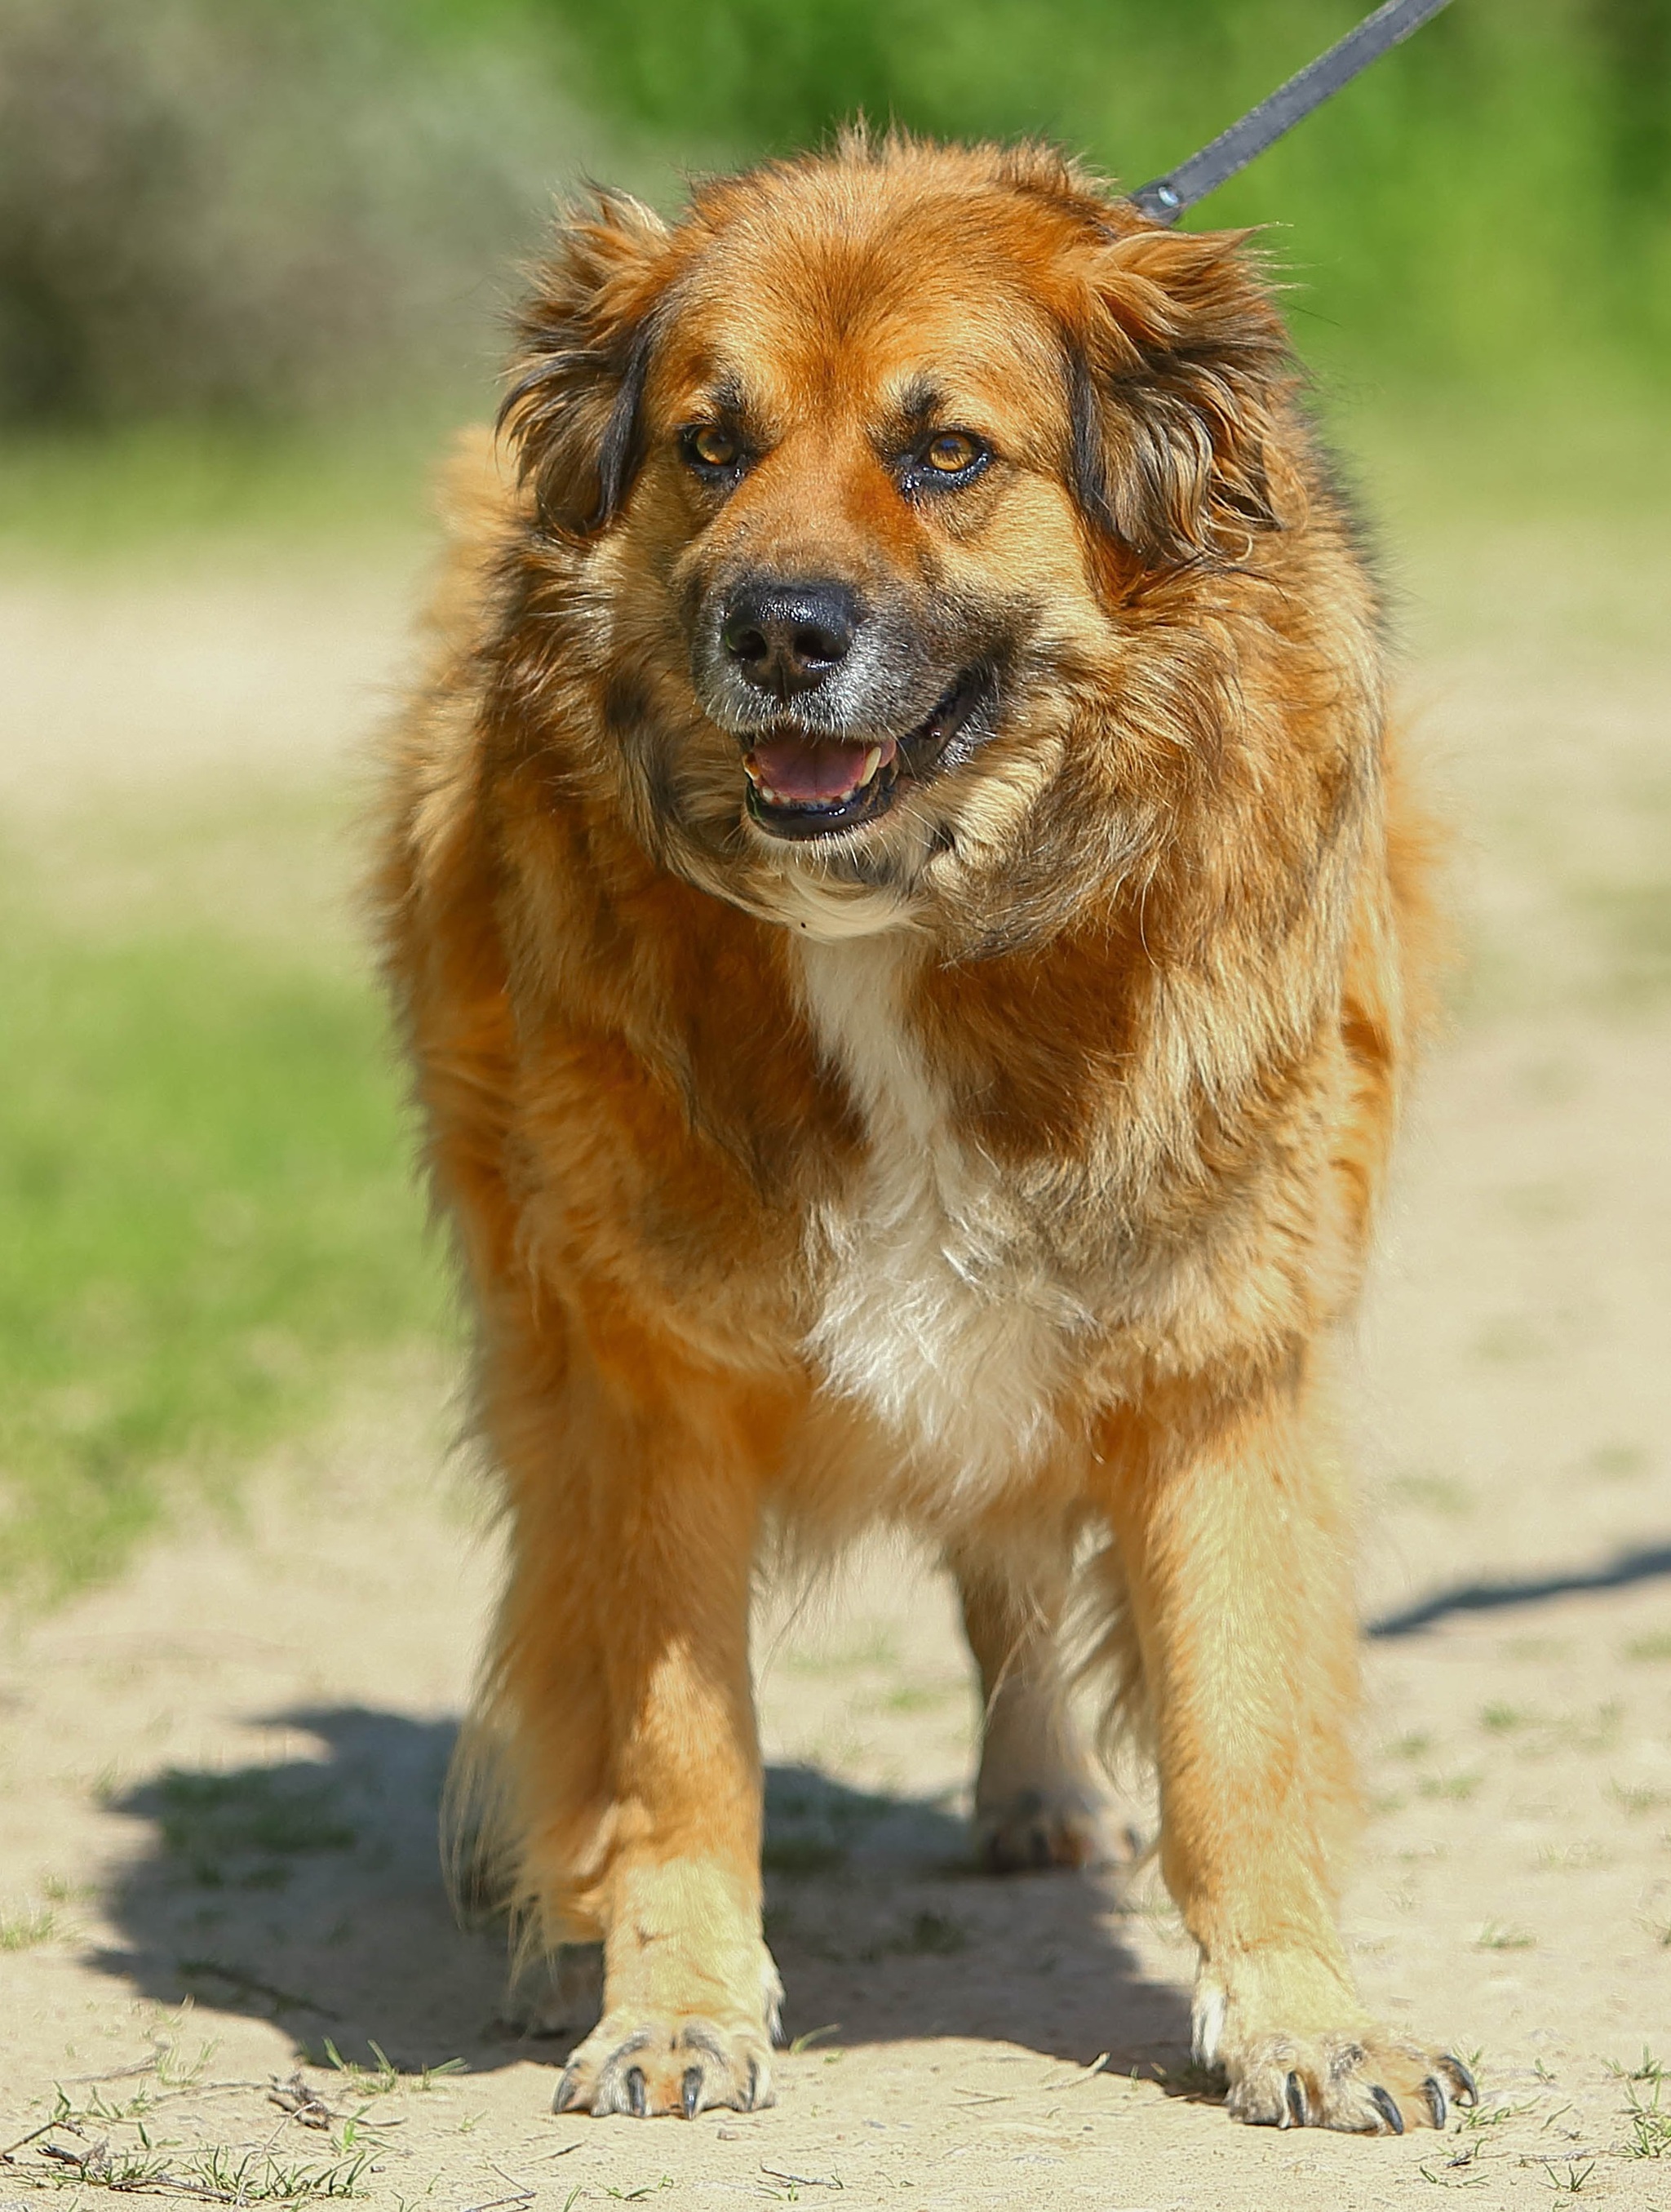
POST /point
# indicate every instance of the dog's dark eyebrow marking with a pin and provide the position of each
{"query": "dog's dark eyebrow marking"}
(921, 401)
(728, 398)
(920, 405)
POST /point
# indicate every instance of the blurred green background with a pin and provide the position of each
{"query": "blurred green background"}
(261, 205)
(255, 254)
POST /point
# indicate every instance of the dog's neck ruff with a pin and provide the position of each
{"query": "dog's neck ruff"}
(825, 911)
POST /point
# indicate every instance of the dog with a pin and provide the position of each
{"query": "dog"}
(910, 928)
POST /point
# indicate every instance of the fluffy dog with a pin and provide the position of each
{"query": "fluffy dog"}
(908, 929)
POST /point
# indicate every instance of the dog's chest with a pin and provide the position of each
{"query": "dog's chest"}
(938, 1308)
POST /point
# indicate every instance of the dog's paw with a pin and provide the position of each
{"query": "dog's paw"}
(643, 2067)
(1035, 1828)
(1368, 2085)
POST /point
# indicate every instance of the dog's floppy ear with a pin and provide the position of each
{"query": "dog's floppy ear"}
(582, 354)
(1173, 373)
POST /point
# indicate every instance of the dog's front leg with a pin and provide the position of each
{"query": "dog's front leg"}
(661, 1497)
(1232, 1530)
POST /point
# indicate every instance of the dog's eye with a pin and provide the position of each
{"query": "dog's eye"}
(711, 447)
(951, 453)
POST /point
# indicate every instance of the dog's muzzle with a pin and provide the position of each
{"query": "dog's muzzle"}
(825, 697)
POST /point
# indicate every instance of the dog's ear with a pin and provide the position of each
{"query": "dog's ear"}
(583, 350)
(1174, 371)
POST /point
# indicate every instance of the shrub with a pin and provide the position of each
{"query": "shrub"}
(255, 205)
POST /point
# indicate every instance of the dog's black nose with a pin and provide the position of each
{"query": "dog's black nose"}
(788, 637)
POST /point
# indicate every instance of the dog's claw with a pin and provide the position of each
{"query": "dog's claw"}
(641, 2067)
(1387, 2106)
(1463, 2087)
(1367, 2084)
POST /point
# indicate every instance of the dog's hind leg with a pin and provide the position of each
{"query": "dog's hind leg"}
(1036, 1801)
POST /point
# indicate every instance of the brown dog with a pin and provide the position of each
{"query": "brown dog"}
(908, 929)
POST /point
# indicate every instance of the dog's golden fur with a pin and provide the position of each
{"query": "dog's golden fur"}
(1000, 1166)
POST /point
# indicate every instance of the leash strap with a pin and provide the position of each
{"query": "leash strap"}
(1166, 198)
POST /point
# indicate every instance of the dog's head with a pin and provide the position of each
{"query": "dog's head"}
(857, 489)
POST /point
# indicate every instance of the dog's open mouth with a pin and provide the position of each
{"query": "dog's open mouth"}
(800, 785)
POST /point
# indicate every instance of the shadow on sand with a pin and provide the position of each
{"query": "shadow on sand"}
(1649, 1564)
(309, 1894)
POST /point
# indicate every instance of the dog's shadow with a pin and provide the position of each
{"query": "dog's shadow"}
(309, 1894)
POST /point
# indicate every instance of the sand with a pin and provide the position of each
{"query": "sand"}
(217, 1860)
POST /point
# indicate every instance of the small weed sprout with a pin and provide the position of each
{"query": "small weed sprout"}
(382, 2077)
(22, 1931)
(1647, 2067)
(1454, 2173)
(1650, 2125)
(218, 2176)
(1570, 2182)
(1475, 2119)
(1636, 1798)
(375, 2081)
(1493, 1937)
(1458, 1787)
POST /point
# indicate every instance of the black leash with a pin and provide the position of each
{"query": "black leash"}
(1168, 197)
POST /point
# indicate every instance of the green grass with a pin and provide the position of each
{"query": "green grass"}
(185, 489)
(24, 1930)
(207, 1220)
(1489, 201)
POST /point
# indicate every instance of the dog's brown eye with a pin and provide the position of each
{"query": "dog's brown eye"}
(715, 448)
(951, 453)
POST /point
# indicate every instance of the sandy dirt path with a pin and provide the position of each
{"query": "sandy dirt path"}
(217, 1799)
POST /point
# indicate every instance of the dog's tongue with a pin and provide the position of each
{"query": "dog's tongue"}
(812, 772)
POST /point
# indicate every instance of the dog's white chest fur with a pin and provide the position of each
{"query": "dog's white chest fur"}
(939, 1309)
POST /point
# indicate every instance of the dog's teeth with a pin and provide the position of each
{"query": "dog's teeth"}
(873, 761)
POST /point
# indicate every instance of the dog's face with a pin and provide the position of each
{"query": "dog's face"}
(866, 467)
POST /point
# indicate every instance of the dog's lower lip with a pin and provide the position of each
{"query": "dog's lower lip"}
(876, 778)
